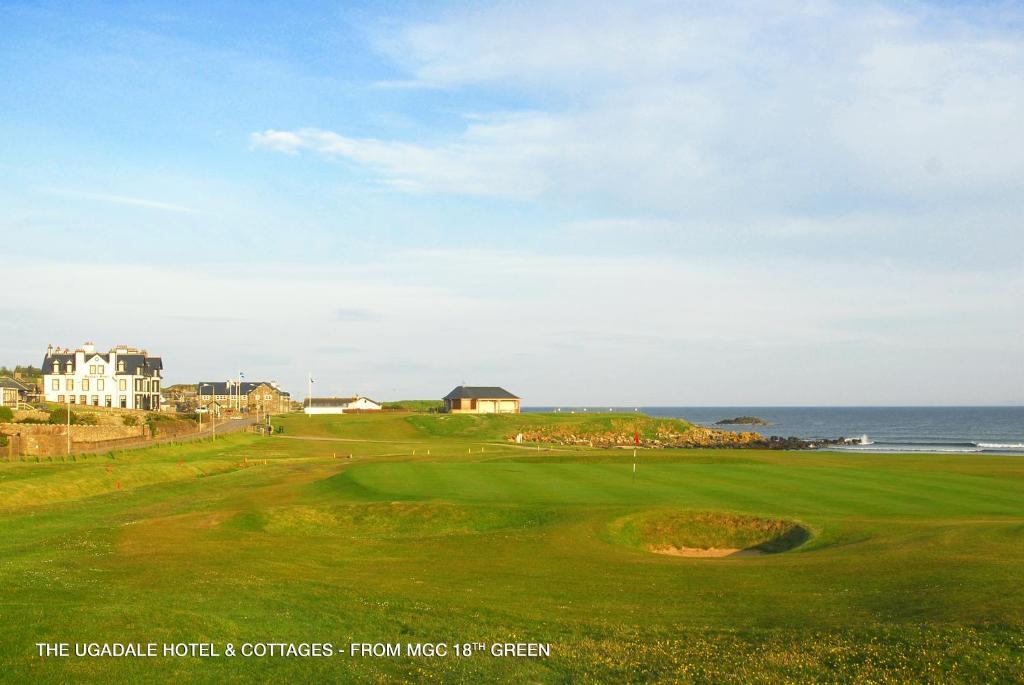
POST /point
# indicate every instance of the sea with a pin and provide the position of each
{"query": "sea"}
(968, 430)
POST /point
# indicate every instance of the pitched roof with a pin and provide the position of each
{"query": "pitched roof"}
(134, 363)
(7, 382)
(49, 359)
(333, 401)
(231, 387)
(479, 392)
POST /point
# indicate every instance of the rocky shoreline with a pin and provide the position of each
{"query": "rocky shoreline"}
(743, 421)
(695, 436)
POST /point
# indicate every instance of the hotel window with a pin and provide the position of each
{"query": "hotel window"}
(71, 399)
(156, 386)
(122, 385)
(56, 367)
(55, 384)
(100, 369)
(70, 384)
(67, 368)
(92, 369)
(85, 384)
(120, 367)
(95, 400)
(106, 401)
(85, 400)
(99, 384)
(60, 398)
(124, 402)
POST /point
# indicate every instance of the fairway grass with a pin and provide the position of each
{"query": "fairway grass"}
(344, 529)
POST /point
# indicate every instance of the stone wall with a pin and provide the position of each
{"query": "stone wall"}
(34, 414)
(29, 439)
(172, 429)
(47, 439)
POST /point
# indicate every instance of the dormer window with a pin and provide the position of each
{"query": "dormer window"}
(120, 367)
(67, 368)
(56, 367)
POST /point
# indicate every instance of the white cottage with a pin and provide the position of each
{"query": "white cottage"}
(340, 405)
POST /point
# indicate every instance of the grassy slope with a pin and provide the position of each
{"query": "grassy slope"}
(915, 564)
(415, 405)
(479, 427)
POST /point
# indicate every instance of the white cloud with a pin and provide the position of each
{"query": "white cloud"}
(501, 157)
(120, 200)
(938, 116)
(713, 110)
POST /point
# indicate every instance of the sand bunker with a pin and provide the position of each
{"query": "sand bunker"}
(699, 552)
(683, 533)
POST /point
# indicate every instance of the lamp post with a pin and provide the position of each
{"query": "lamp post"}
(69, 424)
(309, 394)
(199, 405)
(238, 402)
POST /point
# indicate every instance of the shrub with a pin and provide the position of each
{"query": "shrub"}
(6, 414)
(84, 419)
(60, 416)
(130, 420)
(3, 441)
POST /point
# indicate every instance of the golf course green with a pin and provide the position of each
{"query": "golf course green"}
(421, 528)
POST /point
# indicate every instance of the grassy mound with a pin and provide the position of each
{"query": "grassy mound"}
(672, 531)
(482, 427)
(547, 427)
(389, 520)
(422, 406)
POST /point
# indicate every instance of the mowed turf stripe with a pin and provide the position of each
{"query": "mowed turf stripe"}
(748, 487)
(852, 491)
(820, 490)
(927, 494)
(569, 483)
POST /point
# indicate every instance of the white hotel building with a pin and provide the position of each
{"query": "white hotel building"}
(124, 377)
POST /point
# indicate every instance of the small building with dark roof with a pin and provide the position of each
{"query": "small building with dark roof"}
(474, 399)
(12, 392)
(340, 405)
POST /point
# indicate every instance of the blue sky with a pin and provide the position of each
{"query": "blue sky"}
(600, 203)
